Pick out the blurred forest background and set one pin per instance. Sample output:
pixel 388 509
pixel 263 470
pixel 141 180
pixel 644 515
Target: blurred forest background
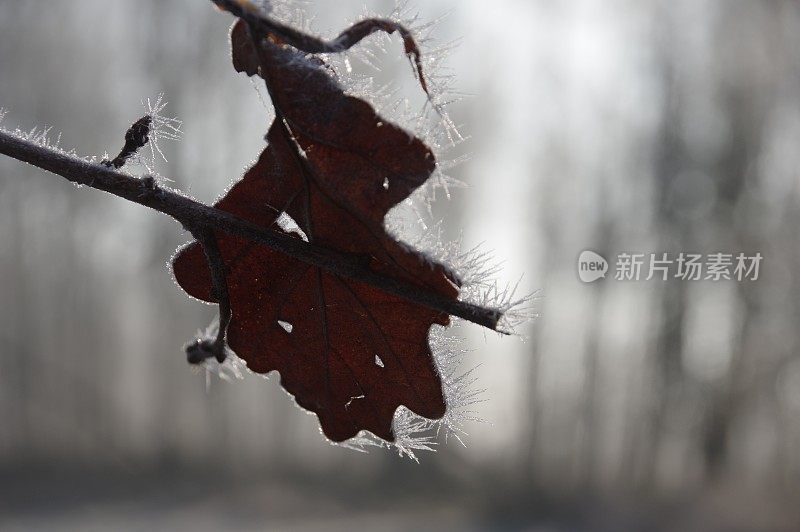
pixel 623 126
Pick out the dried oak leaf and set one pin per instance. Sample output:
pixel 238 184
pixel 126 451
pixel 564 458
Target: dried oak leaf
pixel 345 350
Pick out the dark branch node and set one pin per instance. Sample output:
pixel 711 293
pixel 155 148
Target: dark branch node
pixel 148 186
pixel 202 349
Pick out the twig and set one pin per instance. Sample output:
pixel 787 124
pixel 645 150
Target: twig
pixel 348 38
pixel 193 214
pixel 204 348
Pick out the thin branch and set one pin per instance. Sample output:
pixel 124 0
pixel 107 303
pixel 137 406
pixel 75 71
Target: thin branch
pixel 193 214
pixel 204 348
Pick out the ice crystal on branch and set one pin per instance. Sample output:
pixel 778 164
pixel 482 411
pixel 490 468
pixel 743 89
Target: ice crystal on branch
pixel 161 127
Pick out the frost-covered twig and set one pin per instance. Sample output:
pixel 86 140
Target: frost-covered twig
pixel 148 130
pixel 192 213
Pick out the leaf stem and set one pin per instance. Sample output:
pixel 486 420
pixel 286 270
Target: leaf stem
pixel 219 280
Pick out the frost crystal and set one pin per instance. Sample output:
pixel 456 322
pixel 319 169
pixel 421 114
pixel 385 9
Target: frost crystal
pixel 42 137
pixel 516 310
pixel 161 127
pixel 411 434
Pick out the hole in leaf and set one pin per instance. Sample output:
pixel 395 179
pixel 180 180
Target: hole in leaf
pixel 385 183
pixel 286 326
pixel 288 224
pixel 378 361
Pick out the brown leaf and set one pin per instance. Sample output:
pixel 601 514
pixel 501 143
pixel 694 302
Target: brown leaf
pixel 347 351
